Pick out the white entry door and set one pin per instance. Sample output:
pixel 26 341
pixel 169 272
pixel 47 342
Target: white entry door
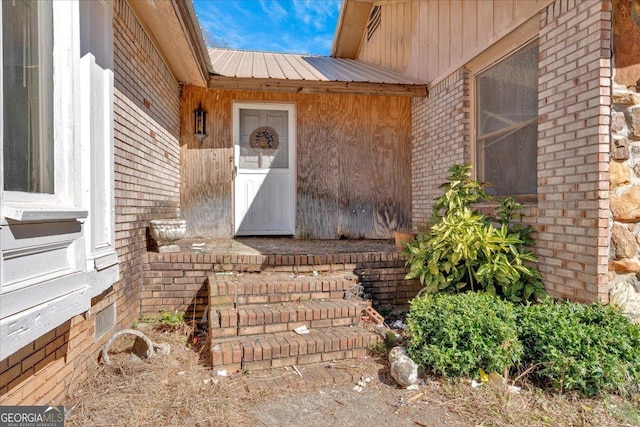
pixel 264 154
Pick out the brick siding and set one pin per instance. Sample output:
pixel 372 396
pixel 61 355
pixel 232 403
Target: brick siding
pixel 147 175
pixel 573 146
pixel 178 281
pixel 572 214
pixel 440 139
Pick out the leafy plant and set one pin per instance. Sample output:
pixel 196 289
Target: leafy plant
pixel 585 348
pixel 456 335
pixel 465 250
pixel 171 319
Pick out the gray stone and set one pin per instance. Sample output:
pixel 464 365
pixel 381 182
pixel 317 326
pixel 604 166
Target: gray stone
pixel 626 98
pixel 619 149
pixel 627 298
pixel 618 122
pixel 403 369
pixel 162 348
pixel 633 117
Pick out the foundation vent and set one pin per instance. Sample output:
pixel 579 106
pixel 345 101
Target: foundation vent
pixel 105 320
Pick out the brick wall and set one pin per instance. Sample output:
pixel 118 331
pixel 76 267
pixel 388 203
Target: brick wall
pixel 573 146
pixel 178 281
pixel 147 186
pixel 572 214
pixel 440 139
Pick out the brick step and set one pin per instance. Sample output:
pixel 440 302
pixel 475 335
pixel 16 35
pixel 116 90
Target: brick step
pixel 279 317
pixel 264 288
pixel 302 263
pixel 265 351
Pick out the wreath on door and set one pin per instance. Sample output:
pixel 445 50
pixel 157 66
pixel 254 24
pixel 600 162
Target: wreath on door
pixel 264 137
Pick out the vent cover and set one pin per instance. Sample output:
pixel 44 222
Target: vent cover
pixel 105 320
pixel 374 21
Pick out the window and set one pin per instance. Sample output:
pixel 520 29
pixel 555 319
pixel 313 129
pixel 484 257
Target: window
pixel 27 58
pixel 507 123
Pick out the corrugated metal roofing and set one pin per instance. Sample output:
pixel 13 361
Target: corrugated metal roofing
pixel 267 65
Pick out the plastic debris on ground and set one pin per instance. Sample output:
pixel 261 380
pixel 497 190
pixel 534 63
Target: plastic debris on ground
pixel 300 330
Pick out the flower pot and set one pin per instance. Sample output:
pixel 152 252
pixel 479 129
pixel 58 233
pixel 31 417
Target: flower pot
pixel 402 237
pixel 167 231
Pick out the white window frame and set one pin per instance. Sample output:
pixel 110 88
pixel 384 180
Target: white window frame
pixel 51 262
pixel 96 130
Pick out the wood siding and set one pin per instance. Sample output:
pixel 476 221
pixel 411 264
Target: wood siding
pixel 353 163
pixel 429 39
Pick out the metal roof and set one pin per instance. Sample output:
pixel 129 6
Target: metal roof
pixel 286 66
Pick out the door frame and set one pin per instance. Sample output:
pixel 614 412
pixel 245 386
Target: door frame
pixel 238 105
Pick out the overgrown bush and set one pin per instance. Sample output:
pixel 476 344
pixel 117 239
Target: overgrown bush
pixel 456 335
pixel 465 250
pixel 586 348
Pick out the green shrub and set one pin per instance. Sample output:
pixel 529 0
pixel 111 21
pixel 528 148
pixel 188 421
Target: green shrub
pixel 465 250
pixel 456 335
pixel 586 348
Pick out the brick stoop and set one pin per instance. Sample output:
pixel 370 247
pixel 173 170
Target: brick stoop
pixel 253 317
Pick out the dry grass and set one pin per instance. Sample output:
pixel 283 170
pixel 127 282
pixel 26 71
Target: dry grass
pixel 179 390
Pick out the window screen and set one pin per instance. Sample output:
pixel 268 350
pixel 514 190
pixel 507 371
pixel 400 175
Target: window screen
pixel 27 56
pixel 507 123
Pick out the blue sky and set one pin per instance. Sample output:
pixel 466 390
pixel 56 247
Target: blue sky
pixel 292 26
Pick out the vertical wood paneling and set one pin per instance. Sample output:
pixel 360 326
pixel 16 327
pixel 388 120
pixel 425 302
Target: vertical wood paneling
pixel 424 56
pixel 414 54
pixel 456 26
pixel 353 167
pixel 469 27
pixel 484 22
pixel 502 15
pixel 433 39
pixel 408 26
pixel 444 46
pixel 449 33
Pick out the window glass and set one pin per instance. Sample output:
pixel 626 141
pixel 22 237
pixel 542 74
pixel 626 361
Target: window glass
pixel 507 124
pixel 27 56
pixel 269 148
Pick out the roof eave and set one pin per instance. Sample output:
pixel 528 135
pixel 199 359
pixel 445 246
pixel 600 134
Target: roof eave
pixel 304 86
pixel 352 22
pixel 174 29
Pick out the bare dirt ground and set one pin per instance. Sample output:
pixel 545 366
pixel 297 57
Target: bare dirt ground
pixel 180 390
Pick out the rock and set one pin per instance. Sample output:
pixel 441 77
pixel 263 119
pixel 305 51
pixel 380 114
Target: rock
pixel 619 174
pixel 618 122
pixel 624 265
pixel 403 369
pixel 623 295
pixel 633 117
pixel 162 348
pixel 626 207
pixel 624 241
pixel 626 98
pixel 636 169
pixel 396 352
pixel 620 149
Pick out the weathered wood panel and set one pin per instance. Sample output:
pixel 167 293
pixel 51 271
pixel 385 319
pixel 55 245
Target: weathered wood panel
pixel 450 32
pixel 207 167
pixel 353 165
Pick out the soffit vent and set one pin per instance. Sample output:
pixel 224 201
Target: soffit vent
pixel 374 21
pixel 105 320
